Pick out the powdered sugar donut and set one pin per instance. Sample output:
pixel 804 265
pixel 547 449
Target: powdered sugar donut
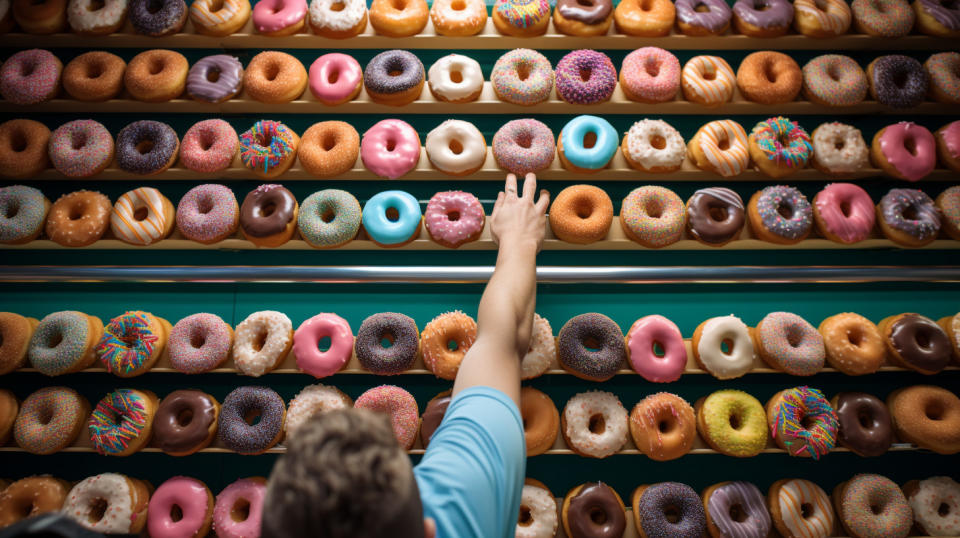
pixel 585 409
pixel 838 149
pixel 650 75
pixel 274 329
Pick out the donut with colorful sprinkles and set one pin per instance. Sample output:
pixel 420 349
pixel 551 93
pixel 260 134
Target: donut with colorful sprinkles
pixel 780 214
pixel 802 422
pixel 132 343
pixel 122 422
pixel 239 435
pixel 268 148
pixel 779 147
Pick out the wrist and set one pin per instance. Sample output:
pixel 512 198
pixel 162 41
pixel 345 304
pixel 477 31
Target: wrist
pixel 518 246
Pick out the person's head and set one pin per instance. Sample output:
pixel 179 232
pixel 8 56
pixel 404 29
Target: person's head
pixel 344 475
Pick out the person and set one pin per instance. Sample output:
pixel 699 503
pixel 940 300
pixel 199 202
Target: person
pixel 344 474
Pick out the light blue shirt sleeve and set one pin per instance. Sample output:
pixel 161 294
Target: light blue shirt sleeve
pixel 472 475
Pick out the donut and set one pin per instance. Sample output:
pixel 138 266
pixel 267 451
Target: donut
pixel 400 18
pixel 872 505
pixel 433 416
pixel 838 149
pixel 23 211
pixel 948 145
pixel 142 217
pixel 780 214
pixel 712 336
pixel 853 344
pixel 185 422
pixel 348 19
pixel 261 342
pixel 585 77
pixel 397 329
pixel 63 342
pixel 897 81
pixel 399 406
pixel 720 147
pixel 948 202
pixel 329 218
pixel 589 144
pixel 146 147
pixel 456 147
pixel 916 342
pixel 591 346
pixel 542 351
pixel 122 422
pixel 936 505
pixel 521 18
pixel 89 18
pixel 926 416
pixel 762 18
pixel 23 148
pixel 237 434
pixel 593 509
pixel 721 501
pixel 707 80
pixel 936 18
pixel 238 509
pixel 644 19
pixel 769 77
pixel 788 343
pixel 42 17
pixel 94 76
pixel 278 18
pixel 306 345
pixel 644 337
pixel 335 78
pixel 390 149
pixel 15 334
pixel 715 216
pixel 581 214
pixel 109 503
pixel 951 326
pixel 6 21
pixel 199 343
pixel 454 218
pixel 800 509
pixel 329 149
pixel 219 19
pixel 844 213
pixel 882 18
pixel 274 77
pixel 157 18
pixel 668 509
pixel 216 78
pixel 663 426
pixel 908 217
pixel 524 146
pixel 394 77
pixel 445 341
pixel 181 506
pixel 943 70
pixel 830 18
pixel 652 216
pixel 541 421
pixel 904 150
pixel 50 420
pixel 80 148
pixel 733 423
pixel 650 75
pixel 594 424
pixel 29 77
pixel 834 79
pixel 268 215
pixel 313 400
pixel 538 511
pixel 379 226
pixel 455 78
pixel 458 18
pixel 865 426
pixel 31 496
pixel 522 77
pixel 208 214
pixel 132 343
pixel 587 19
pixel 802 422
pixel 156 76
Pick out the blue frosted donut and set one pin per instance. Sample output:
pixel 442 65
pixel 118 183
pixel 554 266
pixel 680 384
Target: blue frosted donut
pixel 658 500
pixel 329 218
pixel 157 17
pixel 237 434
pixel 400 330
pixel 22 212
pixel 897 81
pixel 392 232
pixel 393 71
pixel 159 157
pixel 573 137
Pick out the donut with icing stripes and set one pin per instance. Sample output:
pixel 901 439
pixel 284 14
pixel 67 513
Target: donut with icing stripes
pixel 720 147
pixel 142 216
pixel 713 91
pixel 801 509
pixel 230 17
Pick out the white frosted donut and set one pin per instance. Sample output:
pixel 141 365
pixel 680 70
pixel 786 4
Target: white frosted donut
pixel 456 147
pixel 543 349
pixel 710 351
pixel 272 328
pixel 577 415
pixel 839 148
pixel 642 151
pixel 323 16
pixel 805 509
pixel 467 82
pixel 91 15
pixel 313 400
pixel 931 494
pixel 155 224
pixel 542 508
pixel 86 498
pixel 708 80
pixel 735 157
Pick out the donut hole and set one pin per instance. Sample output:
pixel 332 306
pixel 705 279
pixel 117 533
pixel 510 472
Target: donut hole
pixel 333 76
pixel 399 5
pixel 658 350
pixel 876 509
pixel 455 146
pixel 95 5
pixel 94 70
pixel 453 345
pixel 598 516
pixel 760 5
pixel 718 214
pixel 769 73
pixel 27 69
pixel 726 346
pixel 865 419
pixel 78 140
pixel 808 421
pixel 658 142
pixel 252 417
pixel 653 208
pixel 922 339
pixel 709 74
pixel 387 340
pixel 184 417
pixel 785 211
pixel 737 513
pixel 583 209
pixel 259 340
pixel 328 216
pixel 652 67
pixel 55 340
pixel 806 510
pixel 934 411
pixel 723 144
pixel 523 72
pixel 12 209
pixel 240 510
pixel 899 79
pixel 585 74
pixel 44 416
pixel 204 206
pixel 525 140
pixel 329 142
pixel 98 509
pixel 845 208
pixel 19 141
pixel 456 77
pixel 585 3
pixel 271 71
pixel 943 509
pixel 154 6
pixel 391 144
pixel 458 5
pixel 324 344
pixel 453 216
pixel 176 513
pixel 597 424
pixel 735 421
pixel 268 209
pixel 833 73
pixel 156 66
pixel 909 213
pixel 392 214
pixel 198 340
pixel 671 513
pixel 140 214
pixel 794 337
pixel 664 426
pixel 213 75
pixel 855 336
pixel 215 5
pixel 338 6
pixel 525 519
pixel 839 144
pixel 592 344
pixel 910 144
pixel 144 147
pixel 589 140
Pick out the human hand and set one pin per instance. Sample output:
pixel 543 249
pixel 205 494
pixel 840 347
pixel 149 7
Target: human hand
pixel 517 220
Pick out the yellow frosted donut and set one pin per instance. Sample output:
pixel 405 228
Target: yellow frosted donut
pixel 732 422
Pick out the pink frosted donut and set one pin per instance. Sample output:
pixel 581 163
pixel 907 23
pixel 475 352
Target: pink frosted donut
pixel 207 214
pixel 453 218
pixel 650 75
pixel 199 343
pixel 209 146
pixel 246 492
pixel 399 405
pixel 279 16
pixel 656 330
pixel 390 149
pixel 844 211
pixel 30 77
pixel 80 148
pixel 585 77
pixel 788 343
pixel 522 146
pixel 335 78
pixel 910 165
pixel 193 500
pixel 307 339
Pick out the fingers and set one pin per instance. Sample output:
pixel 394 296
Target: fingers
pixel 529 186
pixel 543 203
pixel 511 185
pixel 498 203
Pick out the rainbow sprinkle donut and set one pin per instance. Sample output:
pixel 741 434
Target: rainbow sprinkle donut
pixel 638 220
pixel 522 146
pixel 532 89
pixel 522 14
pixel 81 148
pixel 49 418
pixel 122 421
pixel 22 213
pixel 779 146
pixel 788 412
pixel 266 159
pixel 61 342
pixel 596 88
pixel 788 343
pixel 767 210
pixel 834 80
pixel 129 343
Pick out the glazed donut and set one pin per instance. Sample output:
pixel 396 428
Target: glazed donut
pixel 524 146
pixel 593 500
pixel 142 217
pixel 780 214
pixel 390 149
pixel 208 214
pixel 404 337
pixel 313 400
pixel 838 149
pixel 456 147
pixel 744 499
pixel 864 423
pixel 23 148
pixel 788 343
pixel 581 214
pixel 779 147
pixel 935 504
pixel 769 77
pixel 91 18
pixel 455 78
pixel 715 216
pixel 720 147
pixel 132 343
pixel 236 433
pixel 458 17
pixel 399 406
pixel 800 509
pixel 522 77
pixel 943 70
pixel 644 18
pixel 703 17
pixel 916 342
pixel 937 19
pixel 199 343
pixel 185 422
pixel 94 76
pixel 23 211
pixel 383 231
pixel 668 509
pixel 521 18
pixel 31 496
pixel 844 213
pixel 329 148
pixel 853 344
pixel 109 503
pixel 80 148
pixel 445 341
pixel 454 218
pixel 538 511
pixel 830 18
pixel 653 146
pixel 157 18
pixel 329 218
pixel 274 77
pixel 802 422
pixel 948 202
pixel 882 18
pixel 897 81
pixel 219 19
pixel 642 340
pixel 594 424
pixel 541 421
pixel 707 80
pixel 306 345
pixel 871 505
pixel 63 342
pixel 590 144
pixel 156 76
pixel 908 217
pixel 542 351
pixel 30 76
pixel 583 19
pixel 585 77
pixel 122 422
pixel 238 509
pixel 146 147
pixel 335 78
pixel 42 17
pixel 348 21
pixel 652 216
pixel 394 77
pixel 650 75
pixel 268 148
pixel 400 18
pixel 209 146
pixel 762 18
pixel 834 80
pixel 270 330
pixel 733 423
pixel 217 78
pixel 15 334
pixel 708 343
pixel 50 420
pixel 278 18
pixel 663 426
pixel 926 416
pixel 181 506
pixel 598 332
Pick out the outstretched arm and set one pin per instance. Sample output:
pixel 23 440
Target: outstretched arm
pixel 505 318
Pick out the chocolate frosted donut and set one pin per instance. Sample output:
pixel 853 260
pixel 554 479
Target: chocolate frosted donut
pixel 183 422
pixel 658 500
pixel 146 147
pixel 267 210
pixel 715 215
pixel 865 426
pixel 387 343
pixel 237 434
pixel 582 509
pixel 897 81
pixel 585 11
pixel 433 416
pixel 393 71
pixel 919 343
pixel 590 346
pixel 157 17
